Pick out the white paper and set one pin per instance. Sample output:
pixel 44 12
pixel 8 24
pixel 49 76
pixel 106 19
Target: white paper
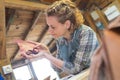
pixel 112 12
pixel 94 15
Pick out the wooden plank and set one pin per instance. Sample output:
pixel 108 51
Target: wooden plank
pixel 27 5
pixel 53 47
pixel 37 15
pixel 10 19
pixel 49 1
pixel 29 30
pixel 2 28
pixel 3 62
pixel 43 34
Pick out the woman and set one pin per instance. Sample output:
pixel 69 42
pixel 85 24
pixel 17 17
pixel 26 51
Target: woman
pixel 75 42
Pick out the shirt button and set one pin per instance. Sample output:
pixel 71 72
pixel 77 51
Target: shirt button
pixel 72 50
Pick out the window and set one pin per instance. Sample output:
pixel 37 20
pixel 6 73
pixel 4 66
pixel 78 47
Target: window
pixel 43 69
pixel 22 73
pixel 39 68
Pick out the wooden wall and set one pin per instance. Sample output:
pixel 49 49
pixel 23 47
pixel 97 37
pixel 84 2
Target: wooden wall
pixel 3 56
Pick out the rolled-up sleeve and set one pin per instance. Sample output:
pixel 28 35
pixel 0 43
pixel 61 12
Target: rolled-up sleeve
pixel 87 44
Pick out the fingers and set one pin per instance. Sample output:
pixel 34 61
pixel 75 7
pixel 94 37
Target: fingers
pixel 30 49
pixel 32 56
pixel 41 47
pixel 24 55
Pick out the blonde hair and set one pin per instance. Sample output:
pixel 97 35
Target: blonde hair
pixel 66 10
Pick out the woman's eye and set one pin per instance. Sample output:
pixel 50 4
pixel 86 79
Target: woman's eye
pixel 53 27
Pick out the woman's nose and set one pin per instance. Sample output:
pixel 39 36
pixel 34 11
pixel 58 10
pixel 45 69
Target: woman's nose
pixel 50 30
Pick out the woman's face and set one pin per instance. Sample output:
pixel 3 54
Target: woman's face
pixel 56 29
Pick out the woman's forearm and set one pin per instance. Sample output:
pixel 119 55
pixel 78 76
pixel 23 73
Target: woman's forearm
pixel 56 62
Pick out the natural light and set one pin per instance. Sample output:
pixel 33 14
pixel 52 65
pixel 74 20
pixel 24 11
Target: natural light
pixel 22 73
pixel 42 69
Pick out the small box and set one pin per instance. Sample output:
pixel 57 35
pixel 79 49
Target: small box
pixel 7 69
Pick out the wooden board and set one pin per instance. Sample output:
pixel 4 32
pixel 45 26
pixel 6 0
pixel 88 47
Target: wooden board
pixel 2 30
pixel 27 5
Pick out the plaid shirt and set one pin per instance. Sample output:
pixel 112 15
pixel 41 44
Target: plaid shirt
pixel 77 53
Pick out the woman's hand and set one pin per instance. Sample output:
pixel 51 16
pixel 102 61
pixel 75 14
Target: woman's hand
pixel 32 56
pixel 38 51
pixel 30 49
pixel 41 47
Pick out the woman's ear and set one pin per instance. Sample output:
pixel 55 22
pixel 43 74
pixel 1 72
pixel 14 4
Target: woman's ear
pixel 67 24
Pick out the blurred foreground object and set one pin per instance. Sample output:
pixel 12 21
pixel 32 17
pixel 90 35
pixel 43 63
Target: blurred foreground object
pixel 105 63
pixel 1 77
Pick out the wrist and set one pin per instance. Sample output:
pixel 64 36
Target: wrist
pixel 47 55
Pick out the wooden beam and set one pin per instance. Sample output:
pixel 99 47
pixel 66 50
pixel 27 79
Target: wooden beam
pixel 47 1
pixel 53 47
pixel 43 33
pixel 36 17
pixel 3 62
pixel 2 29
pixel 50 42
pixel 27 5
pixel 10 19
